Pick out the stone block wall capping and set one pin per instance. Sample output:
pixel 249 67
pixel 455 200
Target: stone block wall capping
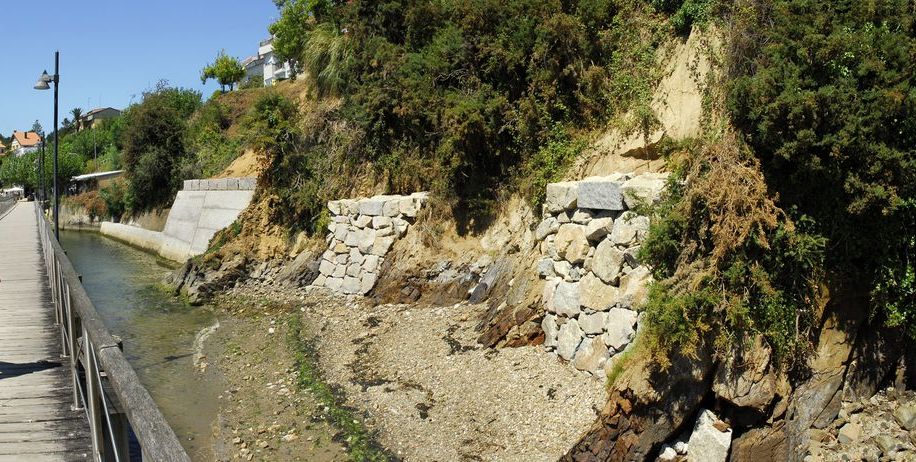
pixel 361 232
pixel 595 286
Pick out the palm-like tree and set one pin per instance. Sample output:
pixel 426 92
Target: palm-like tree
pixel 76 113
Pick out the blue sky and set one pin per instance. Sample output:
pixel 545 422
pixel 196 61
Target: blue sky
pixel 112 50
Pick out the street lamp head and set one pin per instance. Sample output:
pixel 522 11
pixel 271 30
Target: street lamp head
pixel 42 83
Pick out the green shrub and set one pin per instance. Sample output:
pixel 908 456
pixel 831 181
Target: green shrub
pixel 824 94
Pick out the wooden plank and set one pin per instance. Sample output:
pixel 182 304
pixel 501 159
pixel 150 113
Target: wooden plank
pixel 36 419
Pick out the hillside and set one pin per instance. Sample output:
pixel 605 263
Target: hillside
pixel 705 207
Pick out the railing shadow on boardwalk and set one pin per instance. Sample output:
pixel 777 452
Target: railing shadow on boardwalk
pixel 120 412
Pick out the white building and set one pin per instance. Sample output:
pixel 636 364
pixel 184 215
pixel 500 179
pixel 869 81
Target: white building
pixel 273 71
pixel 24 142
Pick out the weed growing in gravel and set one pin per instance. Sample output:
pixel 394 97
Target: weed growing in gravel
pixel 361 444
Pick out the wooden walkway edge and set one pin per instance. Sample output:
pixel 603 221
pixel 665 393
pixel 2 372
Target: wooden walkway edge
pixel 37 422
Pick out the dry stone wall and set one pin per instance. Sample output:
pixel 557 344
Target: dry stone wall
pixel 360 235
pixel 595 285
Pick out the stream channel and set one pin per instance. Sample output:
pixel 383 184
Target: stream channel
pixel 157 329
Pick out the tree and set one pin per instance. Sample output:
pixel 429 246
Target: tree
pixel 76 113
pixel 37 128
pixel 226 70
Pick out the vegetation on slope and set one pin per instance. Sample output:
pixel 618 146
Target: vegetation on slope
pixel 817 187
pixel 464 98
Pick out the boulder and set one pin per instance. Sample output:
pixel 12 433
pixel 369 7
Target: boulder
pixel 326 268
pixel 547 295
pixel 371 263
pixel 381 222
pixel 545 268
pixel 592 323
pixel 849 433
pixel 607 262
pixel 566 299
pixel 560 196
pixel 400 226
pixel 551 330
pixel 365 240
pixel 888 444
pixel 367 282
pixel 334 207
pixel 382 245
pixel 596 295
pixel 634 288
pixel 350 285
pixel 562 268
pixel 340 231
pixel 744 379
pixel 619 328
pixel 333 283
pixel 600 194
pixel 643 189
pixel 629 229
pixel 905 415
pixel 549 247
pixel 545 228
pixel 707 442
pixel 667 454
pixel 572 245
pixel 361 221
pixel 391 207
pixel 408 206
pixel 591 355
pixel 372 206
pixel 598 228
pixel 581 216
pixel 568 339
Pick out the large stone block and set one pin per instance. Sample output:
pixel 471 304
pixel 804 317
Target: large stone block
pixel 634 288
pixel 545 228
pixel 551 330
pixel 367 282
pixel 326 268
pixel 591 355
pixel 372 206
pixel 572 245
pixel 333 283
pixel 598 228
pixel 593 323
pixel 351 285
pixel 371 263
pixel 707 442
pixel 361 221
pixel 600 194
pixel 547 295
pixel 595 294
pixel 248 183
pixel 619 328
pixel 566 299
pixel 568 339
pixel 643 189
pixel 607 262
pixel 381 246
pixel 366 240
pixel 629 229
pixel 561 196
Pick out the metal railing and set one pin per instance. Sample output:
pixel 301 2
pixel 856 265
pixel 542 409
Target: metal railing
pixel 104 385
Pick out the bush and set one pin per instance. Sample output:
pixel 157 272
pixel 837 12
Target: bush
pixel 824 93
pixel 91 202
pixel 729 263
pixel 115 200
pixel 154 145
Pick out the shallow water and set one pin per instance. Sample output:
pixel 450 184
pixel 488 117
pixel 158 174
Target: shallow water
pixel 157 329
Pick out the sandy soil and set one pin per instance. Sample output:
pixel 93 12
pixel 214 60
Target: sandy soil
pixel 425 387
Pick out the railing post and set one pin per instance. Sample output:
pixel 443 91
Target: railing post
pixel 74 327
pixel 65 351
pixel 92 398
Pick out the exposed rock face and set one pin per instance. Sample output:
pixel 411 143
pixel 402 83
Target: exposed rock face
pixel 360 234
pixel 199 283
pixel 595 279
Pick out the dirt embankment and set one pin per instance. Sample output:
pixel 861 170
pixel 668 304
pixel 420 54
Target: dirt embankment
pixel 414 373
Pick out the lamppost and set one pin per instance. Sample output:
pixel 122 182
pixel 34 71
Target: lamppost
pixel 42 84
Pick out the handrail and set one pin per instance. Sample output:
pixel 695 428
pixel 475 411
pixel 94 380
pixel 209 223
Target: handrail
pixel 95 358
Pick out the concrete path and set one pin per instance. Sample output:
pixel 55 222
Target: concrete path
pixel 36 420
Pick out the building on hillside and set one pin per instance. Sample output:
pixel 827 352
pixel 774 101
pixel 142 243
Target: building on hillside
pixel 2 149
pixel 93 181
pixel 273 70
pixel 24 143
pixel 254 68
pixel 94 117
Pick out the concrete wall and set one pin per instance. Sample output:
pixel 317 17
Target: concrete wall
pixel 201 209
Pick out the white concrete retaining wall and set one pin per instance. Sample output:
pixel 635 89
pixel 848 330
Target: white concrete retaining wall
pixel 595 284
pixel 137 237
pixel 201 208
pixel 361 233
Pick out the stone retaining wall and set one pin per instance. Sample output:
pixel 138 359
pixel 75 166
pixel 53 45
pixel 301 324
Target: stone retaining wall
pixel 200 209
pixel 361 233
pixel 595 284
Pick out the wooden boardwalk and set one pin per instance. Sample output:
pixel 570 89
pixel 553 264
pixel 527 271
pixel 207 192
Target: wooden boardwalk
pixel 36 419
